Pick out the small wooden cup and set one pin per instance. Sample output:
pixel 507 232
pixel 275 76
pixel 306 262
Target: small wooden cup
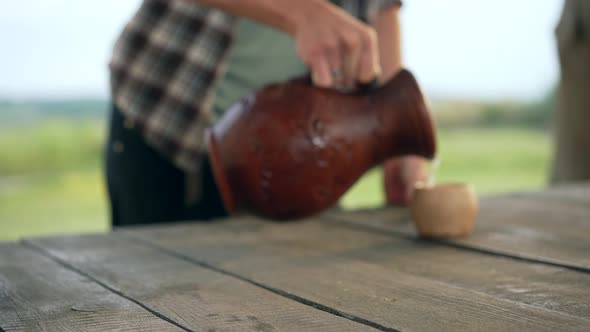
pixel 444 210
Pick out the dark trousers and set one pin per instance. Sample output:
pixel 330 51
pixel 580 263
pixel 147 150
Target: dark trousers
pixel 146 188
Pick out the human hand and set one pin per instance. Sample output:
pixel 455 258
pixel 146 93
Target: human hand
pixel 400 176
pixel 340 50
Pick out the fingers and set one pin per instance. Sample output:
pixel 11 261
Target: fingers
pixel 327 64
pixel 340 51
pixel 321 75
pixel 350 67
pixel 335 58
pixel 368 64
pixel 357 61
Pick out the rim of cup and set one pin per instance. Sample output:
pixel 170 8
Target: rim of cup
pixel 441 186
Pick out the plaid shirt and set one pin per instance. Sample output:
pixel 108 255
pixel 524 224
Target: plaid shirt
pixel 165 66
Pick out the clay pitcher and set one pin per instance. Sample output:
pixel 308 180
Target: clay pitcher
pixel 290 150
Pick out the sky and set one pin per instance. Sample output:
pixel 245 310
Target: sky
pixel 470 49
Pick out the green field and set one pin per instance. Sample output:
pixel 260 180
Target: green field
pixel 494 160
pixel 51 176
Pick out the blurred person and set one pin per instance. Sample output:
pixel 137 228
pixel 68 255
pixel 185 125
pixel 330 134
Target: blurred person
pixel 179 64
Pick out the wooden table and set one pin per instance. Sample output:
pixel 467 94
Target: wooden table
pixel 526 268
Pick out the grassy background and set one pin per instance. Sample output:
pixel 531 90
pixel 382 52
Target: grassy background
pixel 51 171
pixel 494 160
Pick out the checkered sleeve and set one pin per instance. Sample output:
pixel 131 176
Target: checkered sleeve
pixel 382 4
pixel 163 70
pixel 366 10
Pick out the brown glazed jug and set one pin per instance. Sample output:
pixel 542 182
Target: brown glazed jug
pixel 290 150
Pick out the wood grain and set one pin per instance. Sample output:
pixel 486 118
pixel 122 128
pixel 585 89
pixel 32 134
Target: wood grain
pixel 36 294
pixel 578 192
pixel 398 283
pixel 192 296
pixel 550 227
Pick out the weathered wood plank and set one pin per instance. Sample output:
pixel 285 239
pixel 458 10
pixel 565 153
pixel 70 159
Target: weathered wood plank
pixel 36 294
pixel 398 283
pixel 549 227
pixel 572 193
pixel 195 297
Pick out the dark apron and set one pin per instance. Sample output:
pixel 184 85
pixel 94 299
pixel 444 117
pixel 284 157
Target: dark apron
pixel 145 188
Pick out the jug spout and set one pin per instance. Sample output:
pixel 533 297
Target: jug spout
pixel 409 117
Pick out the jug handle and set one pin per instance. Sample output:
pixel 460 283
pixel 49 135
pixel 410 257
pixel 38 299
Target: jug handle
pixel 359 89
